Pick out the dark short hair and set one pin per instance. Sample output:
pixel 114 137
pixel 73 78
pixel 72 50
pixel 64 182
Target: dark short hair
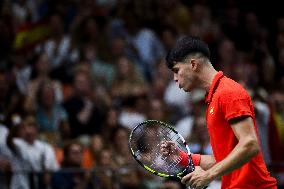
pixel 184 47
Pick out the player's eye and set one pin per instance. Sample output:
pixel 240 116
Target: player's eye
pixel 175 70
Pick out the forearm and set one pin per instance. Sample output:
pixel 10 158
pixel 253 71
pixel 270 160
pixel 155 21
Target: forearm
pixel 240 155
pixel 207 161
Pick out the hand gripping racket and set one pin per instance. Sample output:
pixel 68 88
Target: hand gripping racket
pixel 145 143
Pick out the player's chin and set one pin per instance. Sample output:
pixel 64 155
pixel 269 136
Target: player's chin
pixel 187 89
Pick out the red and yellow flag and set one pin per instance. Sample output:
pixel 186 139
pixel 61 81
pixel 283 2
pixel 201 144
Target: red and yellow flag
pixel 30 34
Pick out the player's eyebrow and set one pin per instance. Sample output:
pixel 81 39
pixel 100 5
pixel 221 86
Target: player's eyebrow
pixel 175 69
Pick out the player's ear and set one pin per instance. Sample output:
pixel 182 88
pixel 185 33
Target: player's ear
pixel 194 64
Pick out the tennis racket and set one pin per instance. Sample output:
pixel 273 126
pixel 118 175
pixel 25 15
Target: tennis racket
pixel 145 143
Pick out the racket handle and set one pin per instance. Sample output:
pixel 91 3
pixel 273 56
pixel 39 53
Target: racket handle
pixel 193 188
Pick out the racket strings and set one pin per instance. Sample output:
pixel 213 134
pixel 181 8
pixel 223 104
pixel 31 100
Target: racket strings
pixel 146 144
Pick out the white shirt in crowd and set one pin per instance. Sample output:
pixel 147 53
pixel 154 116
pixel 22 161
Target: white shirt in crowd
pixel 36 157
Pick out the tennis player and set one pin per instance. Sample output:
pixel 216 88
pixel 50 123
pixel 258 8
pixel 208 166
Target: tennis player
pixel 230 119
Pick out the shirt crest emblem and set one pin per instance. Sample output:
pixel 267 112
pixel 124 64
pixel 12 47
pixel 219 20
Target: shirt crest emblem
pixel 211 111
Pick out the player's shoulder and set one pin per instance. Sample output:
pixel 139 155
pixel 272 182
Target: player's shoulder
pixel 228 88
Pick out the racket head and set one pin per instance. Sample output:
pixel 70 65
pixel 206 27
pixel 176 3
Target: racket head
pixel 145 143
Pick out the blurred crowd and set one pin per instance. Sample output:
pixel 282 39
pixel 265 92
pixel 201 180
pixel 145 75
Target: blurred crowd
pixel 77 75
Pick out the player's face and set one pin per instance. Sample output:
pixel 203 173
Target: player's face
pixel 184 76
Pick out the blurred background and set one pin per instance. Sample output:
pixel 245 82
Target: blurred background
pixel 77 75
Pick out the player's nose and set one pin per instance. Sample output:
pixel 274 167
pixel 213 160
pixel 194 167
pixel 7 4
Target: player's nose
pixel 175 78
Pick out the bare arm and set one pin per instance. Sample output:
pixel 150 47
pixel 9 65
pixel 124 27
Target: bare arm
pixel 207 161
pixel 246 148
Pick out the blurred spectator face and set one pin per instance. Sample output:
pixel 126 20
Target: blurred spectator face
pixel 200 128
pixel 277 99
pixel 75 155
pixel 227 50
pixel 29 129
pixel 195 30
pixel 90 52
pixel 5 165
pixel 129 178
pixel 162 70
pixel 43 64
pixel 97 143
pixel 83 66
pixel 121 140
pixel 47 96
pixel 121 136
pixel 105 158
pixel 124 67
pixel 112 118
pixel 82 83
pixel 158 87
pixel 156 110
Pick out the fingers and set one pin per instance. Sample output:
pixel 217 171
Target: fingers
pixel 168 147
pixel 197 179
pixel 165 149
pixel 186 179
pixel 167 143
pixel 189 181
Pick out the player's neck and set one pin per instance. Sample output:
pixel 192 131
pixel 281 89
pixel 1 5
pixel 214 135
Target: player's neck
pixel 208 74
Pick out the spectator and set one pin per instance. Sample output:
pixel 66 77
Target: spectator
pixel 51 116
pixel 58 47
pixel 146 43
pixel 161 79
pixel 90 154
pixel 103 72
pixel 30 158
pixel 85 117
pixel 127 81
pixel 21 71
pixel 120 146
pixel 41 74
pixel 71 175
pixel 106 168
pixel 25 10
pixel 263 113
pixel 111 123
pixel 156 110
